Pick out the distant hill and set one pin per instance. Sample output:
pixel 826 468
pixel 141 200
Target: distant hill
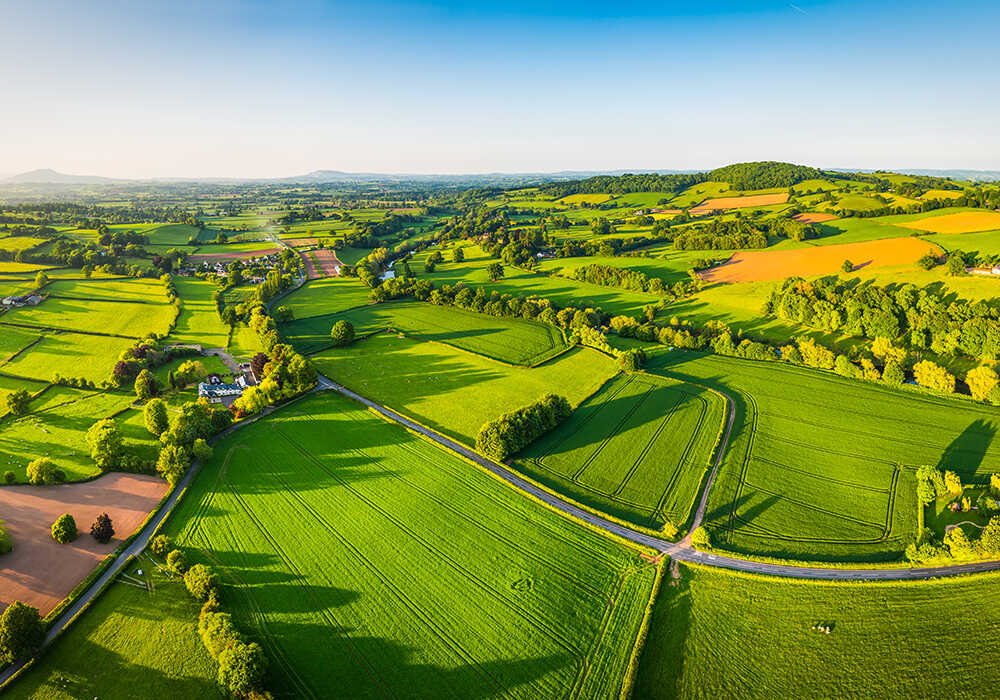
pixel 47 176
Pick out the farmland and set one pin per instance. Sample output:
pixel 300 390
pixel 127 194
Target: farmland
pixel 757 200
pixel 325 296
pixel 961 222
pixel 638 449
pixel 416 540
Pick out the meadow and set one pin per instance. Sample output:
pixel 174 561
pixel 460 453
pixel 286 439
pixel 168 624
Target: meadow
pixel 453 391
pixel 515 341
pixel 367 559
pixel 638 449
pixel 721 634
pixel 69 354
pixel 326 296
pixel 198 322
pixel 87 315
pixel 822 468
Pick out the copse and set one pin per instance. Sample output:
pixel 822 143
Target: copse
pixel 513 431
pixel 342 333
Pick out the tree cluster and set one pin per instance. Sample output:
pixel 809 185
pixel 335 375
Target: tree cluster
pixel 513 431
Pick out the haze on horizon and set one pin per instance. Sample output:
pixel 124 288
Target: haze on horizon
pixel 255 89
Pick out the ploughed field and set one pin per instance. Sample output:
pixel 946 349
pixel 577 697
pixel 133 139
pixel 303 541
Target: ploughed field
pixel 754 200
pixel 823 468
pixel 959 222
pixel 638 449
pixel 366 558
pixel 514 341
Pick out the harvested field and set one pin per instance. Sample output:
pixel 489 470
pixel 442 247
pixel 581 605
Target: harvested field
pixel 41 572
pixel 300 242
pixel 813 217
pixel 762 265
pixel 962 222
pixel 755 200
pixel 320 263
pixel 235 255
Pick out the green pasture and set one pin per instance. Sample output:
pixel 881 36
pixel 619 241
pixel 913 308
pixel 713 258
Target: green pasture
pixel 16 268
pixel 174 235
pixel 18 243
pixel 326 296
pixel 453 391
pixel 9 385
pixel 718 634
pixel 14 340
pixel 139 290
pixel 370 561
pixel 119 318
pixel 515 341
pixel 260 248
pixel 198 322
pixel 982 242
pixel 129 644
pixel 668 264
pixel 69 354
pixel 822 468
pixel 244 342
pixel 638 449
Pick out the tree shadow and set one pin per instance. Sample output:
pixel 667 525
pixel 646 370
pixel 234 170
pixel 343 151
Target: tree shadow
pixel 966 452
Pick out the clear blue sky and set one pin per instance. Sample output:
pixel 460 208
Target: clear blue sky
pixel 143 89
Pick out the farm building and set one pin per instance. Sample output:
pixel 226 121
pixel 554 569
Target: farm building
pixel 218 392
pixel 26 300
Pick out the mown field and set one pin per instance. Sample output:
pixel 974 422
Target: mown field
pixel 453 391
pixel 129 644
pixel 198 322
pixel 515 341
pixel 638 449
pixel 327 296
pixel 719 634
pixel 822 468
pixel 367 559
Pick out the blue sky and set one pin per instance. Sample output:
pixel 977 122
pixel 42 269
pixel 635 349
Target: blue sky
pixel 270 89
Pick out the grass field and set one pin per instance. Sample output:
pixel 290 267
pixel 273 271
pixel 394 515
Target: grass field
pixel 128 644
pixel 821 467
pixel 146 291
pixel 327 296
pixel 515 341
pixel 199 321
pixel 130 319
pixel 638 449
pixel 244 342
pixel 178 234
pixel 718 634
pixel 7 268
pixel 69 354
pixel 367 559
pixel 16 243
pixel 453 391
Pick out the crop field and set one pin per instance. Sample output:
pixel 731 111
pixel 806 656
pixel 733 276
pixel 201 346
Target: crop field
pixel 942 194
pixel 637 449
pixel 178 234
pixel 321 262
pixel 814 217
pixel 887 640
pixel 124 289
pixel 16 268
pixel 820 467
pixel 16 243
pixel 70 354
pixel 369 559
pixel 573 199
pixel 327 296
pixel 762 265
pixel 452 391
pixel 515 341
pixel 198 322
pixel 128 319
pixel 757 200
pixel 961 222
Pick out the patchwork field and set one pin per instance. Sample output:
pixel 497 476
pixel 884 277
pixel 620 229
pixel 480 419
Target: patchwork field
pixel 961 222
pixel 321 262
pixel 40 571
pixel 886 640
pixel 515 341
pixel 327 296
pixel 637 449
pixel 757 200
pixel 16 243
pixel 367 559
pixel 821 467
pixel 761 265
pixel 452 391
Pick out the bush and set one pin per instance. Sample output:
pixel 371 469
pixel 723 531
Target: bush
pixel 631 360
pixel 200 581
pixel 217 632
pixel 700 539
pixel 242 668
pixel 9 477
pixel 21 632
pixel 64 529
pixel 41 471
pixel 342 333
pixel 160 545
pixel 512 432
pixel 6 541
pixel 102 530
pixel 893 374
pixel 177 562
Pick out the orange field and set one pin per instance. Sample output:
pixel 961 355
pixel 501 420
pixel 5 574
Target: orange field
pixel 756 200
pixel 813 217
pixel 962 222
pixel 762 265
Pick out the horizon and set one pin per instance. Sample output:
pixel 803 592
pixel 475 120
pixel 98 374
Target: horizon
pixel 249 91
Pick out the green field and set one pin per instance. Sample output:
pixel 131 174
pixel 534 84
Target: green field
pixel 820 467
pixel 129 644
pixel 130 319
pixel 717 634
pixel 453 391
pixel 147 291
pixel 367 559
pixel 199 322
pixel 69 354
pixel 511 340
pixel 326 296
pixel 638 449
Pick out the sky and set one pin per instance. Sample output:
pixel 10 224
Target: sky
pixel 258 89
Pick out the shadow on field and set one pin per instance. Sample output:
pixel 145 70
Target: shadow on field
pixel 965 453
pixel 661 666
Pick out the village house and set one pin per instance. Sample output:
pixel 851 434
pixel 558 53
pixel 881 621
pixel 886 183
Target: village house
pixel 216 391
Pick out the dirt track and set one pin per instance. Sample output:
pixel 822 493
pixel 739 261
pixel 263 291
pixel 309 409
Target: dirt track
pixel 41 572
pixel 762 265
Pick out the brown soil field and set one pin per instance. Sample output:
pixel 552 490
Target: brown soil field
pixel 962 222
pixel 813 217
pixel 763 265
pixel 756 200
pixel 236 255
pixel 300 242
pixel 326 264
pixel 41 572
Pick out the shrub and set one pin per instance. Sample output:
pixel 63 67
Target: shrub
pixel 9 477
pixel 64 529
pixel 21 631
pixel 200 581
pixel 700 539
pixel 160 545
pixel 893 374
pixel 217 632
pixel 342 333
pixel 41 471
pixel 242 667
pixel 6 541
pixel 515 430
pixel 177 562
pixel 102 529
pixel 631 360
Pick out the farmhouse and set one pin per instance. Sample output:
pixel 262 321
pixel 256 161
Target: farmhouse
pixel 217 392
